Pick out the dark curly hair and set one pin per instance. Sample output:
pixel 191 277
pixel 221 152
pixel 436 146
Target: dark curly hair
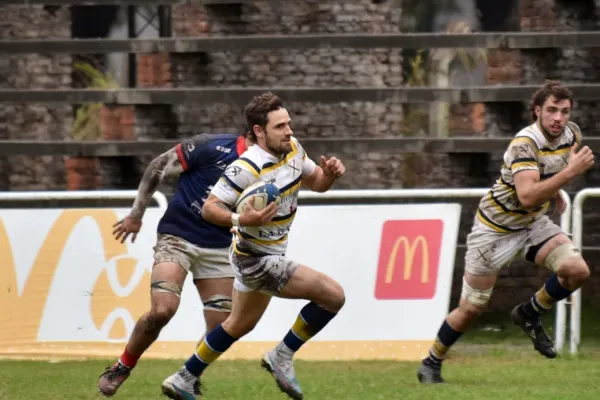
pixel 549 89
pixel 257 111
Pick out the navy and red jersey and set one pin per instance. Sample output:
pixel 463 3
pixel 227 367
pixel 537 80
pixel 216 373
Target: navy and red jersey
pixel 204 158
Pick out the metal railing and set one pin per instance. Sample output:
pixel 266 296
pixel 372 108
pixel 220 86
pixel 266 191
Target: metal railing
pixel 578 201
pixel 245 43
pixel 160 198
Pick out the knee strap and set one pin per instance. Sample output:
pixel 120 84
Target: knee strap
pixel 218 302
pixel 560 254
pixel 477 297
pixel 165 287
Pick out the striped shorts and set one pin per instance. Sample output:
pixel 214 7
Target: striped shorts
pixel 489 251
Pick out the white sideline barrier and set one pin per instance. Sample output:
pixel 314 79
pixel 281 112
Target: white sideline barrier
pixel 368 195
pixel 565 222
pixel 77 292
pixel 580 197
pixel 160 198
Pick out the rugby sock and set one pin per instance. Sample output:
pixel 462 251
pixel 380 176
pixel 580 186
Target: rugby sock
pixel 543 300
pixel 446 337
pixel 311 319
pixel 128 360
pixel 212 346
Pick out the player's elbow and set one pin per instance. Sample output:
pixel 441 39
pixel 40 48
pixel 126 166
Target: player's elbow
pixel 527 199
pixel 318 187
pixel 319 184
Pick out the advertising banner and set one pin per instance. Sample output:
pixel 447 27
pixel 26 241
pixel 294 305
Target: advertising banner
pixel 69 290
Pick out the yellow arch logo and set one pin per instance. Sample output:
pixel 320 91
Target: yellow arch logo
pixel 409 256
pixel 21 316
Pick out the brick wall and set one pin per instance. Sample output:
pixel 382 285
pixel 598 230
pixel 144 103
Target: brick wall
pixel 340 67
pixel 27 121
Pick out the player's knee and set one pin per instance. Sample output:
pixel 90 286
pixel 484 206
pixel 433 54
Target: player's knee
pixel 238 327
pixel 335 297
pixel 158 317
pixel 473 301
pixel 575 271
pixel 162 313
pixel 566 260
pixel 470 311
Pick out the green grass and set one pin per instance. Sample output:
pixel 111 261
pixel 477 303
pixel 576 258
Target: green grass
pixel 485 365
pixel 512 375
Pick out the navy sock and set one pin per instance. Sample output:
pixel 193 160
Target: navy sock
pixel 446 337
pixel 212 346
pixel 543 300
pixel 310 321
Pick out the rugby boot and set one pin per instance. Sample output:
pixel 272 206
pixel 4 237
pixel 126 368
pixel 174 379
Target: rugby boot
pixel 534 329
pixel 112 378
pixel 430 374
pixel 284 374
pixel 182 385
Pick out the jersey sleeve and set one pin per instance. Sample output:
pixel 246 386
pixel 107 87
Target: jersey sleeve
pixel 238 176
pixel 522 155
pixel 308 165
pixel 192 153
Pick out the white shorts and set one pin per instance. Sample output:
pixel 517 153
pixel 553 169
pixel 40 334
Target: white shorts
pixel 261 273
pixel 489 251
pixel 203 263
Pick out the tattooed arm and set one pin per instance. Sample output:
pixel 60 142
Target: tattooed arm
pixel 167 163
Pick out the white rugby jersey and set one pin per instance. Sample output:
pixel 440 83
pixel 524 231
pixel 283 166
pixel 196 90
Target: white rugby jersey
pixel 286 172
pixel 500 209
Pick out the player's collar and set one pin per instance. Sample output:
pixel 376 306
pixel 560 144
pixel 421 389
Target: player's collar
pixel 270 156
pixel 240 145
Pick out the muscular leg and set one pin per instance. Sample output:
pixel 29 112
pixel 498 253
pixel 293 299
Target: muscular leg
pixel 247 310
pixel 164 304
pixel 167 280
pixel 326 299
pixel 559 255
pixel 475 296
pixel 216 296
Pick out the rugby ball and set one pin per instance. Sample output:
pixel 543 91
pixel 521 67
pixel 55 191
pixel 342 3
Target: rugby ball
pixel 263 193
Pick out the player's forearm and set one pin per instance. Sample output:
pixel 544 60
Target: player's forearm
pixel 217 213
pixel 543 191
pixel 322 182
pixel 148 185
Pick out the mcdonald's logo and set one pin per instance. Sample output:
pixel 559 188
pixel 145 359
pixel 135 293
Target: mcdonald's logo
pixel 409 259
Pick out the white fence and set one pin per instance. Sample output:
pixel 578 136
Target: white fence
pixel 577 210
pixel 573 213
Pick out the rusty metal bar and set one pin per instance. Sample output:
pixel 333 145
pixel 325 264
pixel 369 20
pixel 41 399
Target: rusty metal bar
pixel 316 146
pixel 241 95
pixel 513 40
pixel 97 2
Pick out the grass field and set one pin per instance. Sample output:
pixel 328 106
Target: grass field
pixel 488 364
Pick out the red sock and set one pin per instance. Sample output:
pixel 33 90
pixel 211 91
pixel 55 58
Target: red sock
pixel 128 359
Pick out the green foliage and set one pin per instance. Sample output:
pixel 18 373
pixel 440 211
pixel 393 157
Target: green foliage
pixel 86 124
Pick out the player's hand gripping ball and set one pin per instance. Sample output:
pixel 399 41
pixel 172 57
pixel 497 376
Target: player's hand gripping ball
pixel 263 193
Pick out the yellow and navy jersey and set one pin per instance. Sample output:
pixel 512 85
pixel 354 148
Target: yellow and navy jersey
pixel 500 209
pixel 285 172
